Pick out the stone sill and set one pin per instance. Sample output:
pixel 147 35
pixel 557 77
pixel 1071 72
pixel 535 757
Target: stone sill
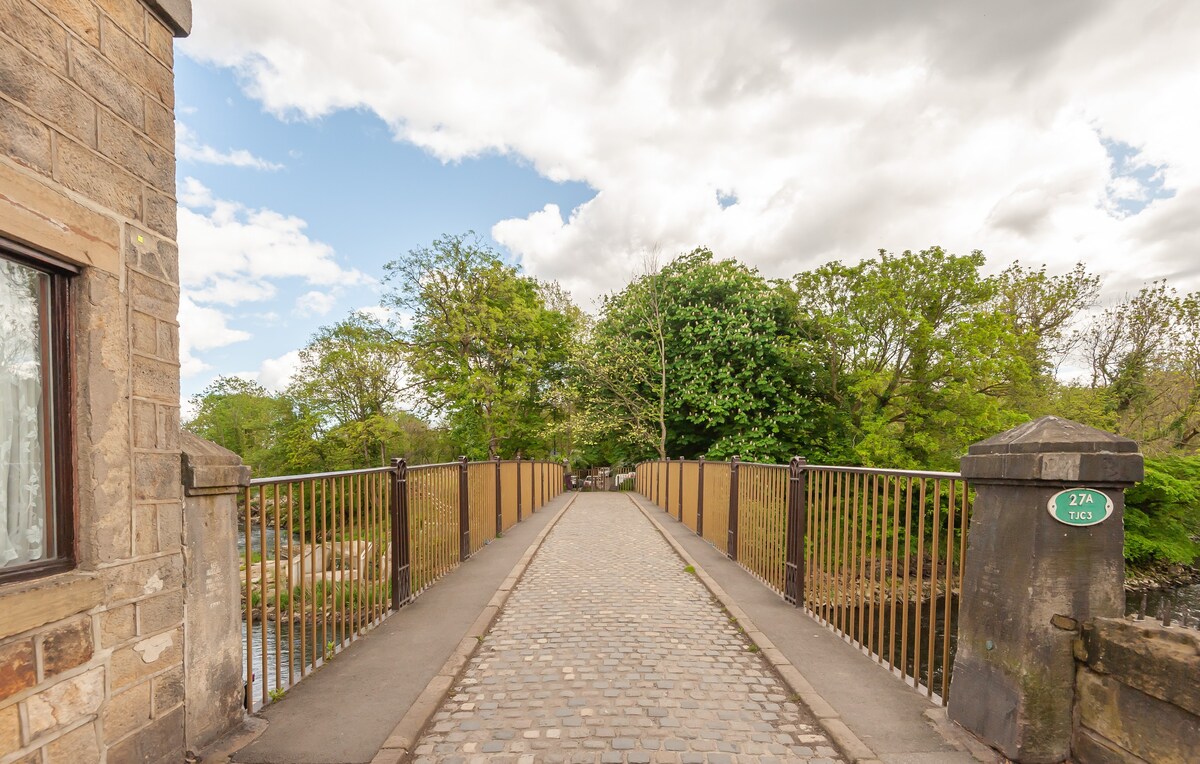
pixel 30 604
pixel 176 14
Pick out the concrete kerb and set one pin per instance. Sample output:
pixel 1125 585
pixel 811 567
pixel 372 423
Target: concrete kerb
pixel 842 736
pixel 408 730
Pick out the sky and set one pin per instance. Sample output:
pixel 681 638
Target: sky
pixel 318 140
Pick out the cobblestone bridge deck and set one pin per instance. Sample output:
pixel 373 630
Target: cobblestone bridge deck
pixel 610 651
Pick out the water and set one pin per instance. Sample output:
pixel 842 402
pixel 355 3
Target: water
pixel 1181 600
pixel 256 541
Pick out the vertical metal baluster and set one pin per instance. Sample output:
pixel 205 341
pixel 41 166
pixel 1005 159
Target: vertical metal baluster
pixel 262 585
pixel 861 589
pixel 872 589
pixel 919 583
pixel 908 501
pixel 946 626
pixel 304 547
pixel 933 581
pixel 248 698
pixel 290 589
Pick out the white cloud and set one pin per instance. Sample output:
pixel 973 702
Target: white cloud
pixel 274 374
pixel 202 328
pixel 838 128
pixel 188 148
pixel 230 253
pixel 316 303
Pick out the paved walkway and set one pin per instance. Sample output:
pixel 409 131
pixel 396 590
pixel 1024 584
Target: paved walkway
pixel 610 651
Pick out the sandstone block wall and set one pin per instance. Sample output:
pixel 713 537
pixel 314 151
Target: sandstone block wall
pixel 1136 696
pixel 91 661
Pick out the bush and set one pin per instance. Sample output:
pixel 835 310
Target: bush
pixel 1162 514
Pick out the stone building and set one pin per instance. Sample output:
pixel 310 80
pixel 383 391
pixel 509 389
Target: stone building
pixel 92 518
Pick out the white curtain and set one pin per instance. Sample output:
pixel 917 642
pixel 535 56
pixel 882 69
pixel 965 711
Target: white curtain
pixel 22 464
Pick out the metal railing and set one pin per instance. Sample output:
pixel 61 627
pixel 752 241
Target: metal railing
pixel 328 556
pixel 874 554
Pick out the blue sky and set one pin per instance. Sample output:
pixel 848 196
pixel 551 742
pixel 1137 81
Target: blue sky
pixel 586 140
pixel 366 195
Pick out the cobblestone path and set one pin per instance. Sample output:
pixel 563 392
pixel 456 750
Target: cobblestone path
pixel 609 651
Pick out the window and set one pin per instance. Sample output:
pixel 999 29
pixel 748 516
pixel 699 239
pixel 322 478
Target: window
pixel 37 518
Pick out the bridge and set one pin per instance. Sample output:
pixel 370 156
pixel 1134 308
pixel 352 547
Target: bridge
pixel 719 612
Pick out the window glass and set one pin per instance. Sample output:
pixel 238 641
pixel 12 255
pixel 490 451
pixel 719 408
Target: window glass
pixel 27 506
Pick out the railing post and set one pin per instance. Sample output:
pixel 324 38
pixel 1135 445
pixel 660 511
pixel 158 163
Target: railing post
pixel 731 550
pixel 700 499
pixel 499 506
pixel 666 503
pixel 797 510
pixel 680 503
pixel 566 473
pixel 1035 571
pixel 401 563
pixel 464 511
pixel 518 488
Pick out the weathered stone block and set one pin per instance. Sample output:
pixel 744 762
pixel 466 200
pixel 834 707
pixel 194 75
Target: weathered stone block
pixel 25 80
pixel 1089 748
pixel 162 741
pixel 17 670
pixel 86 172
pixel 168 428
pixel 155 379
pixel 158 298
pixel 79 746
pixel 136 62
pixel 104 82
pixel 160 40
pixel 1160 661
pixel 168 691
pixel 156 476
pixel 145 529
pixel 144 333
pixel 158 613
pixel 117 625
pixel 161 213
pixel 81 17
pixel 146 656
pixel 126 711
pixel 46 601
pixel 66 646
pixel 65 703
pixel 10 728
pixel 170 526
pixel 22 20
pixel 145 413
pixel 160 123
pixel 32 211
pixel 128 148
pixel 144 578
pixel 130 16
pixel 168 341
pixel 154 256
pixel 1134 721
pixel 24 139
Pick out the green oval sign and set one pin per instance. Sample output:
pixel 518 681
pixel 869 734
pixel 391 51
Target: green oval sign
pixel 1080 506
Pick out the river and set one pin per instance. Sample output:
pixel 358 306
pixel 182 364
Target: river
pixel 1181 600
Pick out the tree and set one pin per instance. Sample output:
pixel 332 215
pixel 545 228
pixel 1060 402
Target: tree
pixel 242 416
pixel 702 358
pixel 482 344
pixel 349 377
pixel 1144 354
pixel 918 360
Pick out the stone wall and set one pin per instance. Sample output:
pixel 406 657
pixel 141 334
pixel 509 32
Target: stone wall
pixel 91 661
pixel 1136 696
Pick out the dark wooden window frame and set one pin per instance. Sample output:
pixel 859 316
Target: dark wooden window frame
pixel 59 342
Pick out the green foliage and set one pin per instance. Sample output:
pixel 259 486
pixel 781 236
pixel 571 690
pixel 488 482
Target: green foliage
pixel 702 358
pixel 1162 514
pixel 918 361
pixel 487 346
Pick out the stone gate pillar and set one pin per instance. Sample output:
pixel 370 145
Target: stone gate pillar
pixel 1044 555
